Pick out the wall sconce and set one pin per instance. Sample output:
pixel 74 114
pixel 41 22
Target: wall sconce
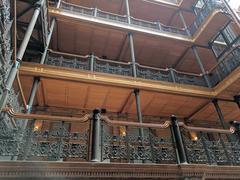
pixel 37 126
pixel 122 131
pixel 194 136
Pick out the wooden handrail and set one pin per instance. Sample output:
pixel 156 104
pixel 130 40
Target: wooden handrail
pixel 165 125
pixel 106 119
pixel 67 54
pixel 212 130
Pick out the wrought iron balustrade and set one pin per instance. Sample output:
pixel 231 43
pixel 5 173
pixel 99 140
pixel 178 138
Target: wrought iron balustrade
pixel 121 68
pixel 211 148
pixel 121 18
pixel 129 146
pixel 209 6
pixel 225 66
pixel 112 67
pixel 45 141
pixel 72 139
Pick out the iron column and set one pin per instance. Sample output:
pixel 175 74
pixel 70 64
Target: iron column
pixel 37 80
pixel 128 12
pixel 178 139
pixel 95 135
pixel 184 23
pixel 198 59
pixel 134 69
pixel 220 114
pixel 20 54
pixel 139 113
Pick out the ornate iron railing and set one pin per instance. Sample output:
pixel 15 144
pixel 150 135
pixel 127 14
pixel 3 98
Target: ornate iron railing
pixel 45 140
pixel 227 64
pixel 121 18
pixel 96 64
pixel 208 7
pixel 55 138
pixel 211 148
pixel 129 146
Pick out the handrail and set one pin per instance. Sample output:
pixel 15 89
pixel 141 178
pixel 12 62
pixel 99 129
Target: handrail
pixel 165 125
pixel 153 68
pixel 67 54
pixel 213 130
pixel 106 119
pixel 223 59
pixel 112 61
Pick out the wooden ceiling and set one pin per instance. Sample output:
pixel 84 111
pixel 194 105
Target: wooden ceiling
pixel 86 96
pixel 113 44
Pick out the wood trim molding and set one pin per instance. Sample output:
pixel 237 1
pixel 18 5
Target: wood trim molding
pixel 47 71
pixel 73 170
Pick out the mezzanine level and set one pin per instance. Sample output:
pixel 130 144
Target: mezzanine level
pixel 62 142
pixel 219 72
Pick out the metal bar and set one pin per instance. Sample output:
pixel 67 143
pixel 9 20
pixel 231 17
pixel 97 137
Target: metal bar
pixel 198 59
pixel 179 140
pixel 96 136
pixel 20 54
pixel 220 114
pixel 21 92
pixel 139 113
pixel 37 80
pixel 184 23
pixel 128 11
pixel 132 55
pixel 92 62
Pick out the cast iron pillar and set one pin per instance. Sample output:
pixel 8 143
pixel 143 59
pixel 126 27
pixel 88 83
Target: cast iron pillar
pixel 178 139
pixel 198 59
pixel 184 23
pixel 237 100
pixel 134 69
pixel 139 113
pixel 220 114
pixel 20 54
pixel 128 12
pixel 95 149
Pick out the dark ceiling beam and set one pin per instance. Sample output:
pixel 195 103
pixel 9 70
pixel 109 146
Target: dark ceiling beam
pixel 24 11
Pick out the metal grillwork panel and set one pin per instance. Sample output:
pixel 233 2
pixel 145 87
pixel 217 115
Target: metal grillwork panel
pixel 210 148
pixel 76 63
pixel 205 11
pixel 122 18
pixel 154 74
pixel 131 147
pixel 5 42
pixel 184 78
pixel 48 142
pixel 101 65
pixel 225 66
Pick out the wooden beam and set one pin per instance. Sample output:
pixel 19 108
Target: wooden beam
pixel 33 69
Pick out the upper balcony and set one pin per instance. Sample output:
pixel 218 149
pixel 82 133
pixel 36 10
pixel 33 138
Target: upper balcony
pixel 161 19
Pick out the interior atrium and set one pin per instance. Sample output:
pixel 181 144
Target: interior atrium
pixel 119 89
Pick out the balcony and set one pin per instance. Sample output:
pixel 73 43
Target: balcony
pixel 206 10
pixel 94 137
pixel 92 63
